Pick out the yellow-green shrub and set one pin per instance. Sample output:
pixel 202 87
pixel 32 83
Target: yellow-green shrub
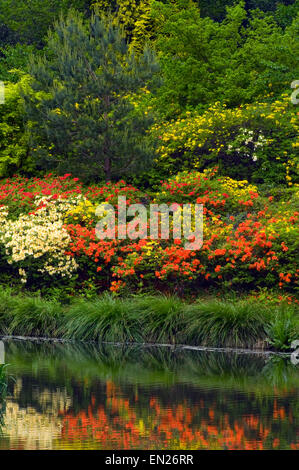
pixel 258 142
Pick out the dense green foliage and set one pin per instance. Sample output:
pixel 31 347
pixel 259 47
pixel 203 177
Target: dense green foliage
pixel 257 142
pixel 28 21
pixel 14 145
pixel 13 59
pixel 236 53
pixel 3 387
pixel 48 237
pixel 204 61
pixel 133 16
pixel 189 100
pixel 216 9
pixel 213 323
pixel 83 120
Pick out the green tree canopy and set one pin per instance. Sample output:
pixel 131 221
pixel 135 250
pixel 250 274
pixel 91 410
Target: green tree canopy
pixel 216 9
pixel 14 58
pixel 239 60
pixel 28 21
pixel 14 145
pixel 82 113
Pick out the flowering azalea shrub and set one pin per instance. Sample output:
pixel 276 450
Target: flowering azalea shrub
pixel 37 242
pixel 110 192
pixel 256 141
pixel 249 240
pixel 84 212
pixel 216 193
pixel 20 194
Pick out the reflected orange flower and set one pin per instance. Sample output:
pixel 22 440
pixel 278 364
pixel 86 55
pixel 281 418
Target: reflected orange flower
pixel 122 424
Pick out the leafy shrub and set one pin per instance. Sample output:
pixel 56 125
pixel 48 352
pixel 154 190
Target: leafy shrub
pixel 238 60
pixel 283 329
pixel 257 142
pixel 14 143
pixel 19 193
pixel 249 241
pixel 36 243
pixel 13 59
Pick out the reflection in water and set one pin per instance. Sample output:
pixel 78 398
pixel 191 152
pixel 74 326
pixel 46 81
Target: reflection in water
pixel 86 397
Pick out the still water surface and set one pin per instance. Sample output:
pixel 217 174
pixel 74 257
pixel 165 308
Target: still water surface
pixel 74 396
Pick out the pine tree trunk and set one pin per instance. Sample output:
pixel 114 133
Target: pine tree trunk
pixel 107 161
pixel 107 169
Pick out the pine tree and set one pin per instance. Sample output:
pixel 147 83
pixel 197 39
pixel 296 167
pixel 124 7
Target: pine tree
pixel 134 16
pixel 82 114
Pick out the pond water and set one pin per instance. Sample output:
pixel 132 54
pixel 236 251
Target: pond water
pixel 75 396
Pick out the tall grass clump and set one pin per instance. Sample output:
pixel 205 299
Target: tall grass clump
pixel 36 317
pixel 152 319
pixel 283 329
pixel 7 305
pixel 28 316
pixel 105 319
pixel 162 317
pixel 2 376
pixel 226 324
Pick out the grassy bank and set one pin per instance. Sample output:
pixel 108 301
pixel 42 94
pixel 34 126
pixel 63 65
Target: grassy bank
pixel 239 323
